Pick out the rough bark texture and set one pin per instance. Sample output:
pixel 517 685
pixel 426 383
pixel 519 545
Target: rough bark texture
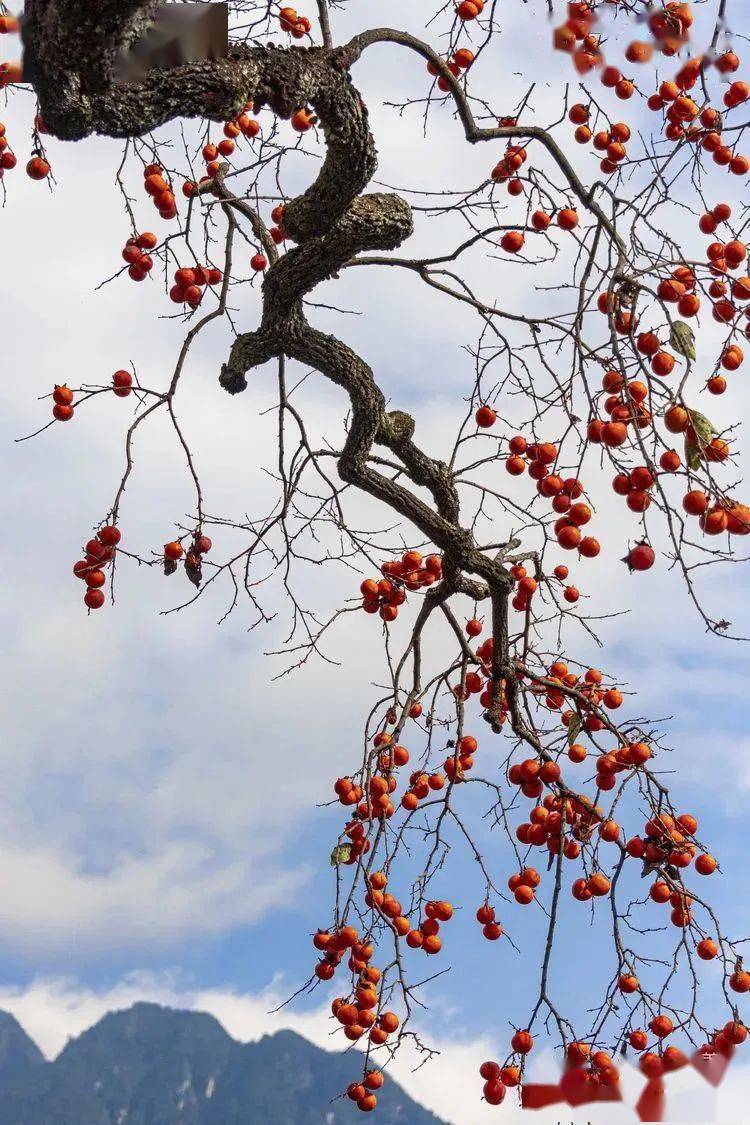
pixel 75 44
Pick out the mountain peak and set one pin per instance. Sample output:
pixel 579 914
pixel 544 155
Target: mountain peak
pixel 154 1065
pixel 145 1018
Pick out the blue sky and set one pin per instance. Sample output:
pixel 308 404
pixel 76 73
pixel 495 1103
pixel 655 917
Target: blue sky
pixel 160 790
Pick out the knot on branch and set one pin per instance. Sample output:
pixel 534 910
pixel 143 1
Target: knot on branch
pixel 396 427
pixel 377 222
pixel 232 380
pixel 249 350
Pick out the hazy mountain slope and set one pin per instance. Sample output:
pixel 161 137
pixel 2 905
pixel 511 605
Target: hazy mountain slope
pixel 158 1066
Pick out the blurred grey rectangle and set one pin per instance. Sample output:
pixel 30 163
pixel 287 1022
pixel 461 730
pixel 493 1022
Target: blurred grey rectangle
pixel 179 34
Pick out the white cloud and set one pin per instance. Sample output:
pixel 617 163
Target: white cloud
pixel 49 902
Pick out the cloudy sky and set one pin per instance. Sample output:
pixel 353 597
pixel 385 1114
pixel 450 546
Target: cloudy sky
pixel 160 828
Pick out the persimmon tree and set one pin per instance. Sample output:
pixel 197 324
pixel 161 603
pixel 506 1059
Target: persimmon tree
pixel 631 263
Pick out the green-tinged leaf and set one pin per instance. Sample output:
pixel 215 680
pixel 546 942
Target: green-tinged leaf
pixel 697 437
pixel 703 428
pixel 574 728
pixel 342 853
pixel 682 339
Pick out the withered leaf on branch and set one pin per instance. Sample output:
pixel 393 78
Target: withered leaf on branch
pixel 574 728
pixel 170 566
pixel 193 567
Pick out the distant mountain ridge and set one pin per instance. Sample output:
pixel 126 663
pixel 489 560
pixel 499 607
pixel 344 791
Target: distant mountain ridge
pixel 152 1065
